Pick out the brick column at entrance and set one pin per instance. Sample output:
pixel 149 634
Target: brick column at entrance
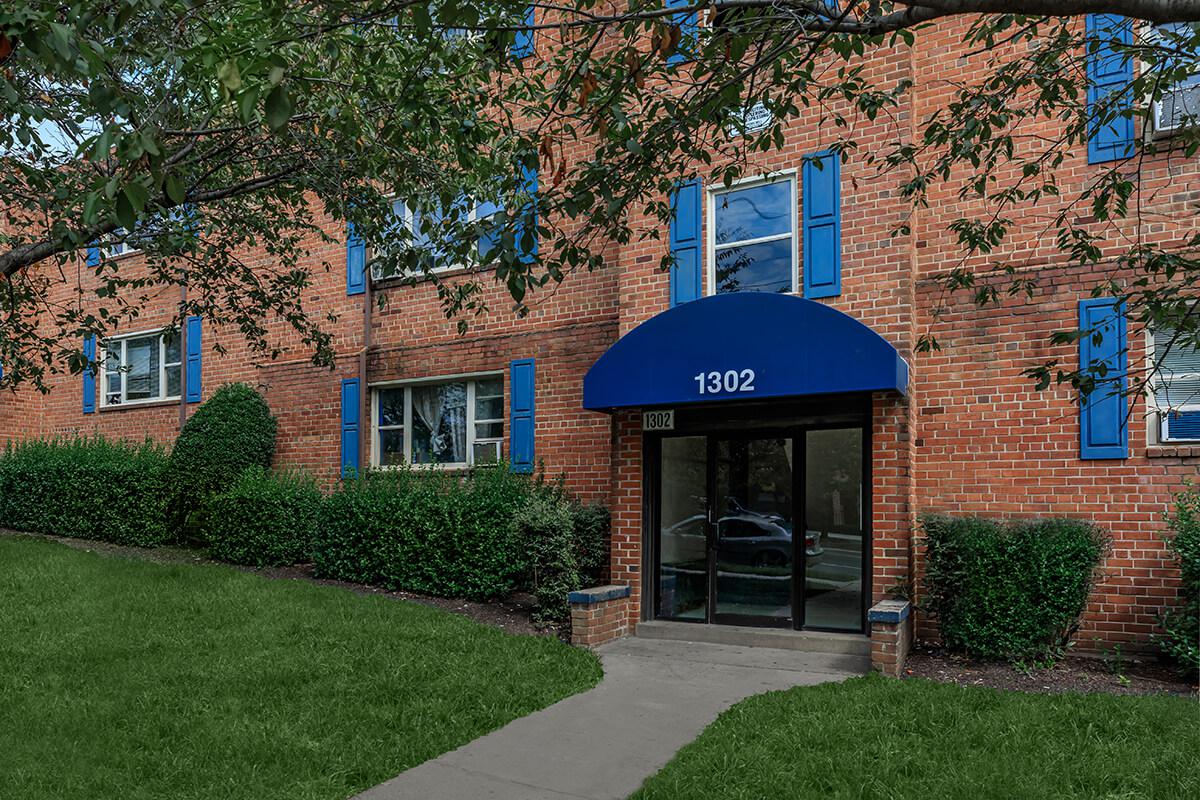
pixel 599 615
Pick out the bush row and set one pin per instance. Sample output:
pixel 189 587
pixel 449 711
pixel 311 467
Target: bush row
pixel 1010 590
pixel 90 488
pixel 1180 639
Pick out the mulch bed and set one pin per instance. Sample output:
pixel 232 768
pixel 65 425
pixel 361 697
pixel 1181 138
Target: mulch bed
pixel 512 614
pixel 1114 675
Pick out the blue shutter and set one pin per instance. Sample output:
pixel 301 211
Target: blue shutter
pixel 93 256
pixel 488 240
pixel 689 28
pixel 527 239
pixel 1109 73
pixel 1103 432
pixel 356 260
pixel 89 377
pixel 822 231
pixel 521 391
pixel 193 375
pixel 685 242
pixel 351 412
pixel 523 43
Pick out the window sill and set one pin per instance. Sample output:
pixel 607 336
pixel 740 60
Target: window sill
pixel 1172 450
pixel 140 404
pixel 397 281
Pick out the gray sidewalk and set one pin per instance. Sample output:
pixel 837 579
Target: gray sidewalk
pixel 655 697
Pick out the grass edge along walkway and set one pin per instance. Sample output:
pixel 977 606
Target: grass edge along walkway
pixel 875 737
pixel 121 678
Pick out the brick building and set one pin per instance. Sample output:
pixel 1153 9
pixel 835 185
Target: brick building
pixel 768 384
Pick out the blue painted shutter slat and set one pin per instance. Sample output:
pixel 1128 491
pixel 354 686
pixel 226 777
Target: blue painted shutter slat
pixel 193 374
pixel 1103 429
pixel 689 28
pixel 527 238
pixel 1109 73
pixel 685 242
pixel 351 411
pixel 523 42
pixel 89 377
pixel 822 229
pixel 356 260
pixel 521 422
pixel 93 256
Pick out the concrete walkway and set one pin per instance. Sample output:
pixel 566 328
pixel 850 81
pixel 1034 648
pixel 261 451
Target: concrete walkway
pixel 655 697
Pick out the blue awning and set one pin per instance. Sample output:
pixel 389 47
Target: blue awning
pixel 742 346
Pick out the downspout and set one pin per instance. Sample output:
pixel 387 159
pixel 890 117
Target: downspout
pixel 183 355
pixel 364 396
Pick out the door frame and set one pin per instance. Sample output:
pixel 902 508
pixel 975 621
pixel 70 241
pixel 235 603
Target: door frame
pixel 755 420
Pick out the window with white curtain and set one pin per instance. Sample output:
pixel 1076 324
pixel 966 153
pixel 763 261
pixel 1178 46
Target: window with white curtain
pixel 1175 388
pixel 456 423
pixel 140 368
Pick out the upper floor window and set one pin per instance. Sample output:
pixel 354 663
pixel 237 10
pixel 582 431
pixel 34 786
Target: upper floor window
pixel 753 230
pixel 456 423
pixel 1179 103
pixel 141 367
pixel 1175 388
pixel 417 223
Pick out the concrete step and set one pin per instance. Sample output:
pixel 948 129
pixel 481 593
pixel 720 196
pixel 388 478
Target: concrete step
pixel 779 639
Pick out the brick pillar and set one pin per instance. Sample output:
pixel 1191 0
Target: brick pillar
pixel 891 636
pixel 599 615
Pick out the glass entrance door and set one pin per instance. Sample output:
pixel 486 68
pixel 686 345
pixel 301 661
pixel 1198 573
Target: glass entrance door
pixel 762 527
pixel 753 550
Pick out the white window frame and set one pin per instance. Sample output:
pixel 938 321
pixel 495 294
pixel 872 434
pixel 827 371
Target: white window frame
pixel 713 196
pixel 163 365
pixel 1156 432
pixel 470 379
pixel 406 220
pixel 1151 35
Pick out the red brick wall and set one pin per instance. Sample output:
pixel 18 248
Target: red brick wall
pixel 972 437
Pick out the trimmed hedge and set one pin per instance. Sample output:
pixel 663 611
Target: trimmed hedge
pixel 1180 639
pixel 88 488
pixel 426 531
pixel 264 519
pixel 230 432
pixel 1009 590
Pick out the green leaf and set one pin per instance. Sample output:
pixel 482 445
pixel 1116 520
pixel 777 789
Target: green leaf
pixel 278 108
pixel 126 215
pixel 174 189
pixel 229 75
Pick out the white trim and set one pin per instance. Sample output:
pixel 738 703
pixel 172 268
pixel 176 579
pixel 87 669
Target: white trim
pixel 163 366
pixel 470 379
pixel 710 223
pixel 1156 417
pixel 406 221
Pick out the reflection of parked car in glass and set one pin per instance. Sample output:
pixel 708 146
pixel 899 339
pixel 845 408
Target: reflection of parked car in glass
pixel 745 537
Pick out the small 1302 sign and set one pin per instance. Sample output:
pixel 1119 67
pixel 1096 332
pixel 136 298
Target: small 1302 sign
pixel 658 420
pixel 727 382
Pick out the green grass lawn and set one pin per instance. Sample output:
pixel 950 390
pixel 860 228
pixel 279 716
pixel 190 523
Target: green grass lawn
pixel 127 679
pixel 915 740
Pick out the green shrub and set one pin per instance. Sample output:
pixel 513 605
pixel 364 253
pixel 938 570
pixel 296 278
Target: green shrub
pixel 89 488
pixel 547 526
pixel 426 531
pixel 1181 625
pixel 233 430
pixel 1012 590
pixel 592 527
pixel 264 519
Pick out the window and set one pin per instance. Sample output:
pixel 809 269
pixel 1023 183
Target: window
pixel 753 231
pixel 141 368
pixel 412 221
pixel 1175 388
pixel 1179 104
pixel 453 424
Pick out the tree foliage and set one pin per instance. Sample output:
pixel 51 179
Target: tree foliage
pixel 204 131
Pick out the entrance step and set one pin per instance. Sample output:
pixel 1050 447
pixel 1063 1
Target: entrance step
pixel 805 641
